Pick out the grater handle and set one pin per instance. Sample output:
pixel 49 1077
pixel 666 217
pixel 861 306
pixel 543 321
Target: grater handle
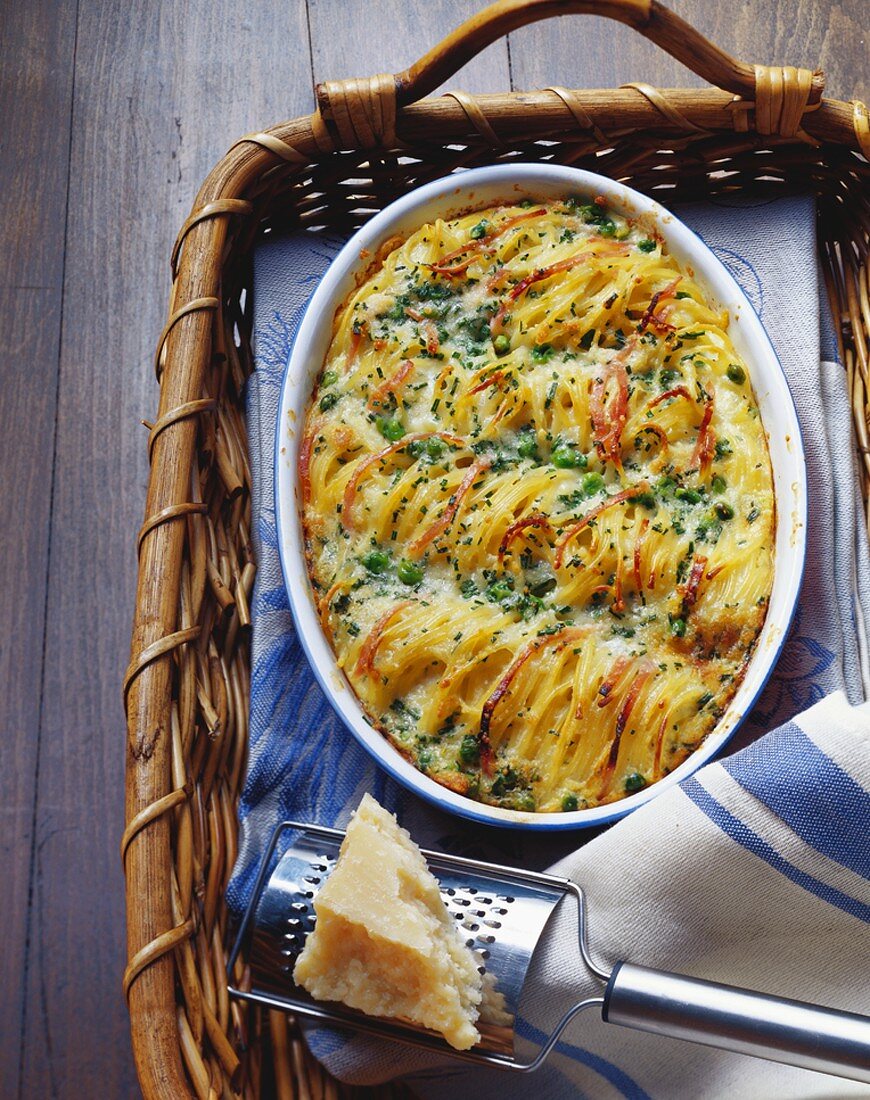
pixel 793 1032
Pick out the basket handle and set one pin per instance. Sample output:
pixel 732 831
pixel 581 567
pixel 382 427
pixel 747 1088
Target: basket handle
pixel 650 18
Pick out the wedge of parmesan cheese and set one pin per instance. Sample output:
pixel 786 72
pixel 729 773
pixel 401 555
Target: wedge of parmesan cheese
pixel 384 942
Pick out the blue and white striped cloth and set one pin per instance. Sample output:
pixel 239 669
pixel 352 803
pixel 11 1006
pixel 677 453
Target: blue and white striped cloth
pixel 754 872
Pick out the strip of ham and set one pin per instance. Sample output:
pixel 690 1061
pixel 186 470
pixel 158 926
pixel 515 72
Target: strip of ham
pixel 628 705
pixel 444 265
pixel 536 519
pixel 703 453
pixel 446 518
pixel 516 291
pixel 374 459
pixel 689 590
pixel 365 661
pixel 608 422
pixel 608 502
pixel 391 384
pixel 560 640
pixel 304 461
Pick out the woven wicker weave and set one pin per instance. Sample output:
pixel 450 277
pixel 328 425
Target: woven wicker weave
pixel 186 688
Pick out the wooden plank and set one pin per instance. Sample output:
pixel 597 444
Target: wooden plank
pixel 162 90
pixel 591 52
pixel 360 38
pixel 36 61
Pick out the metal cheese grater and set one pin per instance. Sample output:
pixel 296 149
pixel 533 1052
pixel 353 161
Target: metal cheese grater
pixel 504 912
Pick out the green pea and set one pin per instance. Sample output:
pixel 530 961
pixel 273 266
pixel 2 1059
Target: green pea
pixel 525 801
pixel 376 561
pixel 646 500
pixel 328 401
pixel 424 759
pixel 479 230
pixel 416 447
pixel 330 377
pixel 569 803
pixel 635 782
pixel 409 572
pixel 390 428
pixel 690 496
pixel 736 373
pixel 607 228
pixel 592 483
pixel 723 510
pixel 567 457
pixel 469 749
pixel 434 447
pixel 718 484
pixel 678 628
pixel 528 445
pixel 501 344
pixel 646 245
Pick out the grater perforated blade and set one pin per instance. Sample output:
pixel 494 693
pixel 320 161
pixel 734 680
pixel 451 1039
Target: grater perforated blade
pixel 502 912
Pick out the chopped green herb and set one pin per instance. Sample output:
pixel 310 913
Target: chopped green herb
pixel 723 448
pixel 469 749
pixel 542 353
pixel 678 627
pixel 479 230
pixel 527 446
pixel 586 339
pixel 500 590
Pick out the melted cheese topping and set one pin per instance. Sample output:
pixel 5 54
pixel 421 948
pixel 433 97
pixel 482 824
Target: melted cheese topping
pixel 538 504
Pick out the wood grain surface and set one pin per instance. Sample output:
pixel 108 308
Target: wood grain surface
pixel 112 115
pixel 36 62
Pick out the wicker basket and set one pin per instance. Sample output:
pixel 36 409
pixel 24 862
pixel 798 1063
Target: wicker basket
pixel 186 688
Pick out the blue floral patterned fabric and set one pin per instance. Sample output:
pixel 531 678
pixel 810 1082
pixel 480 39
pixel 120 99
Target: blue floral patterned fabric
pixel 304 764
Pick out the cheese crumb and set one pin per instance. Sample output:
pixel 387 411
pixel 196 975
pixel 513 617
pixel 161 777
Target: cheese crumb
pixel 384 942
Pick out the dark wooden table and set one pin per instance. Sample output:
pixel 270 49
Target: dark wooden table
pixel 111 116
